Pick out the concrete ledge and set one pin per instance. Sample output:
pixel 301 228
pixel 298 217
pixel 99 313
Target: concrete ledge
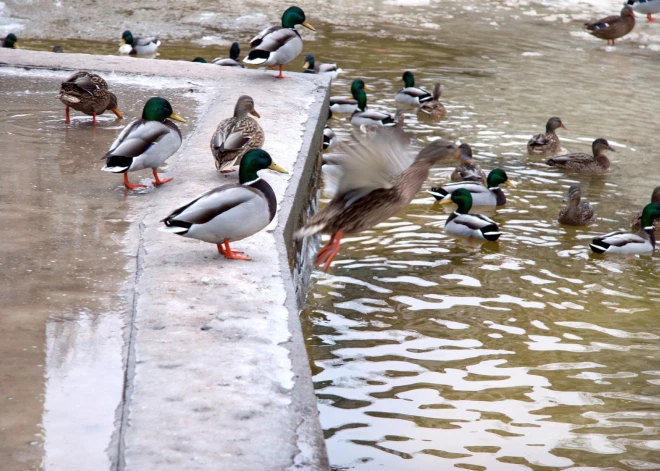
pixel 217 374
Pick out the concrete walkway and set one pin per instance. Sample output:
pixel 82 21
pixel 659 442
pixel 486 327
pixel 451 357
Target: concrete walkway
pixel 217 374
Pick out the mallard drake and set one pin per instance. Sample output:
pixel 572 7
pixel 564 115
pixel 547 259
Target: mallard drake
pixel 646 7
pixel 233 60
pixel 329 137
pixel 626 243
pixel 475 226
pixel 363 117
pixel 87 93
pixel 230 212
pixel 576 213
pixel 201 60
pixel 433 109
pixel 636 223
pixel 468 172
pixel 490 195
pixel 236 135
pixel 372 183
pixel 279 45
pixel 347 105
pixel 548 142
pixel 581 162
pixel 311 67
pixel 146 142
pixel 10 41
pixel 137 46
pixel 410 94
pixel 613 27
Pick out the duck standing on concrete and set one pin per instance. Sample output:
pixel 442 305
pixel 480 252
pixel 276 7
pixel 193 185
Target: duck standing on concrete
pixel 311 67
pixel 463 224
pixel 10 41
pixel 613 27
pixel 87 93
pixel 585 163
pixel 576 213
pixel 279 45
pixel 232 61
pixel 410 94
pixel 137 46
pixel 230 212
pixel 627 243
pixel 549 141
pixel 646 7
pixel 236 135
pixel 145 143
pixel 372 183
pixel 433 110
pixel 636 223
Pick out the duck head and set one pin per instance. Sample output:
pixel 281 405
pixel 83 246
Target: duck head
pixel 293 16
pixel 408 79
pixel 461 198
pixel 126 38
pixel 574 194
pixel 553 124
pixel 245 106
pixel 159 109
pixel 10 41
pixel 254 161
pixel 497 177
pixel 600 145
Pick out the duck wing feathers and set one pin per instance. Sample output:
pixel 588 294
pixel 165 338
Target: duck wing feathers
pixel 139 136
pixel 272 39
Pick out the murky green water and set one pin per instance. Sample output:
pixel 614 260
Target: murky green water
pixel 430 352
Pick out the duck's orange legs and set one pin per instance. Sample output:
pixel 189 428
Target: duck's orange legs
pixel 132 186
pixel 67 120
pixel 158 181
pixel 280 75
pixel 94 123
pixel 650 18
pixel 328 253
pixel 231 254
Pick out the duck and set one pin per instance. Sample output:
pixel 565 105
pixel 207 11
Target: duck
pixel 146 142
pixel 626 243
pixel 236 135
pixel 10 41
pixel 349 105
pixel 88 93
pixel 137 46
pixel 279 45
pixel 201 60
pixel 329 137
pixel 636 223
pixel 468 172
pixel 646 7
pixel 576 213
pixel 411 95
pixel 230 212
pixel 463 224
pixel 233 60
pixel 433 110
pixel 489 195
pixel 363 117
pixel 548 142
pixel 585 163
pixel 58 49
pixel 311 67
pixel 613 27
pixel 375 180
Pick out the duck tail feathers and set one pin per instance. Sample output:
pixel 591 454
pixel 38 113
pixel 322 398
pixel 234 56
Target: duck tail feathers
pixel 257 57
pixel 597 246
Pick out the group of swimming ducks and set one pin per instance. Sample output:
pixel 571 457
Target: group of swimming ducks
pixel 368 182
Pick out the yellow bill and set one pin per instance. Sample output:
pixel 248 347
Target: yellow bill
pixel 176 117
pixel 446 199
pixel 510 183
pixel 122 42
pixel 308 26
pixel 306 65
pixel 254 113
pixel 277 168
pixel 118 113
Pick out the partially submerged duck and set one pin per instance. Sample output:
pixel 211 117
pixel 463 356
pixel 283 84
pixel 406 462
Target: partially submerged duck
pixel 236 135
pixel 636 223
pixel 372 183
pixel 201 60
pixel 145 143
pixel 312 67
pixel 279 45
pixel 613 27
pixel 410 94
pixel 364 117
pixel 230 212
pixel 433 109
pixel 581 162
pixel 233 60
pixel 137 46
pixel 490 195
pixel 10 41
pixel 463 224
pixel 626 243
pixel 349 105
pixel 88 93
pixel 576 213
pixel 468 172
pixel 548 142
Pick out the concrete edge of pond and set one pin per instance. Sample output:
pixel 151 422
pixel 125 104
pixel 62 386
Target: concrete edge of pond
pixel 215 380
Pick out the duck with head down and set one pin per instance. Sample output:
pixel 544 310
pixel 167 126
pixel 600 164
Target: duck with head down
pixel 88 93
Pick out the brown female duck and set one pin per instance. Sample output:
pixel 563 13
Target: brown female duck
pixel 548 142
pixel 369 186
pixel 613 27
pixel 576 213
pixel 636 224
pixel 586 163
pixel 466 172
pixel 87 93
pixel 433 109
pixel 235 136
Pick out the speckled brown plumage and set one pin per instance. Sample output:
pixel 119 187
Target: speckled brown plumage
pixel 88 93
pixel 613 27
pixel 433 110
pixel 468 172
pixel 636 223
pixel 549 141
pixel 585 163
pixel 576 213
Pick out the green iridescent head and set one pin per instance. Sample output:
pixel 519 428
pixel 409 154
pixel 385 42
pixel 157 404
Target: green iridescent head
pixel 650 213
pixel 463 199
pixel 357 90
pixel 254 161
pixel 11 41
pixel 159 109
pixel 200 60
pixel 293 16
pixel 497 177
pixel 408 79
pixel 127 37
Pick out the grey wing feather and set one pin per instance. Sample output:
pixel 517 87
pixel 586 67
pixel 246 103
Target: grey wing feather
pixel 277 38
pixel 137 138
pixel 213 203
pixel 145 41
pixel 254 42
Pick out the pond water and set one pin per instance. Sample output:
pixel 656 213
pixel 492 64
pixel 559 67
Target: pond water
pixel 430 352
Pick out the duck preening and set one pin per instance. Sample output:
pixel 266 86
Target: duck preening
pixel 88 93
